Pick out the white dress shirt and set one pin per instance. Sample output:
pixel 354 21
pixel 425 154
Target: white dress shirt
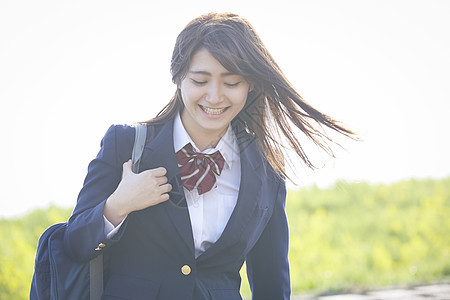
pixel 209 212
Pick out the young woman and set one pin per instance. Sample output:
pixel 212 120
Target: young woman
pixel 211 191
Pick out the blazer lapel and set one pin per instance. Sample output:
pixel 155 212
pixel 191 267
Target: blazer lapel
pixel 159 152
pixel 248 197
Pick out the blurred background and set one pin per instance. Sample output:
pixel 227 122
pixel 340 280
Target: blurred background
pixel 70 69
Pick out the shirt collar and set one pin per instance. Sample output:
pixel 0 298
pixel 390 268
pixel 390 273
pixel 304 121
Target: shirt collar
pixel 227 145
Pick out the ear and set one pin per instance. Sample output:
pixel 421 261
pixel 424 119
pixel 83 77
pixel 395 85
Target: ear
pixel 251 87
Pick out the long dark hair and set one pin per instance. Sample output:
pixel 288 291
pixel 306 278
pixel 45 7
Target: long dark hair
pixel 273 108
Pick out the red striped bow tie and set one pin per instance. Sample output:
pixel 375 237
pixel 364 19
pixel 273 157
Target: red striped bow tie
pixel 198 170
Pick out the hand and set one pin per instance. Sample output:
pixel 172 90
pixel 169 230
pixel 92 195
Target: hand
pixel 136 192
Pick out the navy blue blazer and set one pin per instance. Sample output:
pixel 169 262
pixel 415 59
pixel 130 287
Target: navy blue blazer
pixel 152 255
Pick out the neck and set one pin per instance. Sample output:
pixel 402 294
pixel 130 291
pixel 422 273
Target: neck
pixel 202 136
pixel 205 141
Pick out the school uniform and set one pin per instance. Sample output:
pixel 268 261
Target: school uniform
pixel 187 247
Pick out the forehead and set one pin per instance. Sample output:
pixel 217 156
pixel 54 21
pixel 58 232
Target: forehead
pixel 202 62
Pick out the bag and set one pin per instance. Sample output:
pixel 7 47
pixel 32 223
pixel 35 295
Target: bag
pixel 56 276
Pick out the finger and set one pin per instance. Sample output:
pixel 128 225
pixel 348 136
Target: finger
pixel 161 180
pixel 126 168
pixel 164 197
pixel 161 198
pixel 158 172
pixel 165 188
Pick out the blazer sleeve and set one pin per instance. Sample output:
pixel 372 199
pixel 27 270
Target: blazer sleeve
pixel 267 263
pixel 84 237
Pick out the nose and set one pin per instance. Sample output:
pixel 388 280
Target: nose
pixel 214 94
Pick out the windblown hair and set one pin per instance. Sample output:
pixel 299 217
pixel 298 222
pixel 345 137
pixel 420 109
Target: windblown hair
pixel 272 109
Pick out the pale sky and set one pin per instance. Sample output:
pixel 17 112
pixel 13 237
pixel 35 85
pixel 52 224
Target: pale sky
pixel 70 69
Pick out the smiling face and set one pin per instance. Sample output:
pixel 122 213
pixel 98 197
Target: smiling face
pixel 212 97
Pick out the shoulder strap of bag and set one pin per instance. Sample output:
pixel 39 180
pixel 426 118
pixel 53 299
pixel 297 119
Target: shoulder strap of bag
pixel 96 264
pixel 138 148
pixel 96 278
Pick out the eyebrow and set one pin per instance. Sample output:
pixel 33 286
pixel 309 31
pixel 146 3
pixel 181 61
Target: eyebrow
pixel 209 74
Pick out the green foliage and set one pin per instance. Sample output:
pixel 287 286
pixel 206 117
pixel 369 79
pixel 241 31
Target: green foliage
pixel 360 236
pixel 352 236
pixel 357 236
pixel 19 238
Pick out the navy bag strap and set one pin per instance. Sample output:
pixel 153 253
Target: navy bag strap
pixel 96 264
pixel 138 148
pixel 96 278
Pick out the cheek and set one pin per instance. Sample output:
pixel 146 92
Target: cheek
pixel 240 98
pixel 189 95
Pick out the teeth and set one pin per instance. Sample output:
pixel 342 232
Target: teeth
pixel 213 111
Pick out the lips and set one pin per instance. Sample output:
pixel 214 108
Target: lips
pixel 212 111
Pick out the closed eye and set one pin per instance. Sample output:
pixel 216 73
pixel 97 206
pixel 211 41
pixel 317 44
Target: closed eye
pixel 199 82
pixel 233 84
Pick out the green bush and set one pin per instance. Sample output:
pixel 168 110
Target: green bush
pixel 358 236
pixel 361 236
pixel 19 238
